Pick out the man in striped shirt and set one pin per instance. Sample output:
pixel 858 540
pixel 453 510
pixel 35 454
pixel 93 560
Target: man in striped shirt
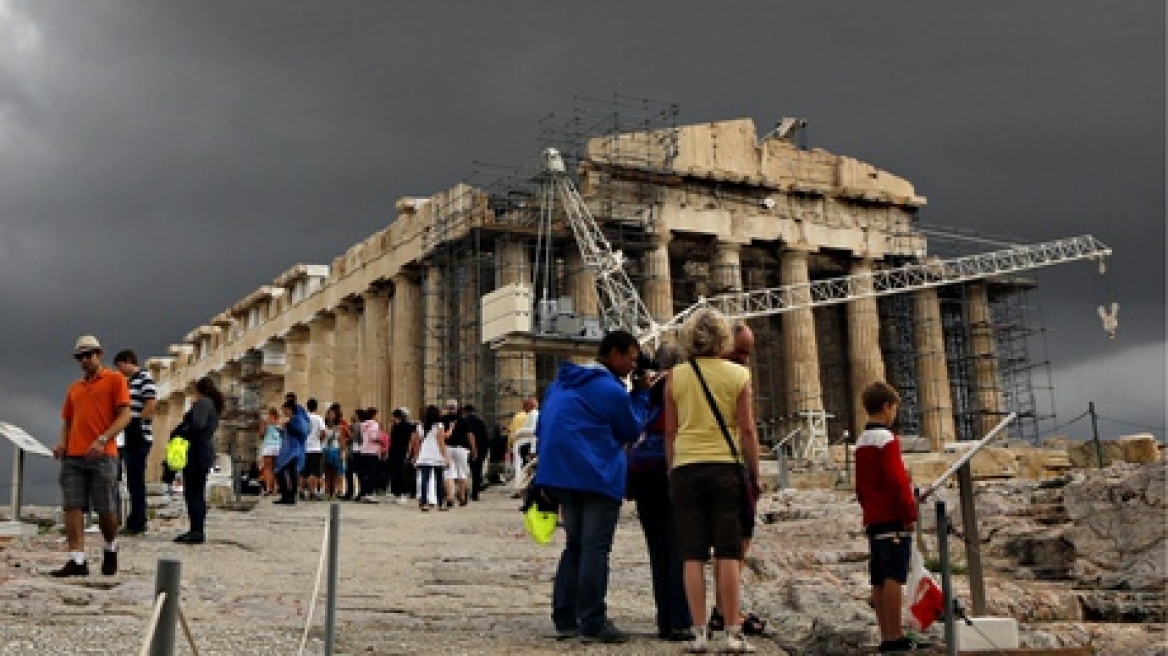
pixel 139 437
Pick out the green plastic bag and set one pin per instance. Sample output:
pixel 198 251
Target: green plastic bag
pixel 176 453
pixel 540 525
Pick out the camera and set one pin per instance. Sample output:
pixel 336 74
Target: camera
pixel 645 364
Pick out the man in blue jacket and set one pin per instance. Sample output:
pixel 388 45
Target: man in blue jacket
pixel 587 419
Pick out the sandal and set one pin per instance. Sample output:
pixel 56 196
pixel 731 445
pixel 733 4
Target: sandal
pixel 751 624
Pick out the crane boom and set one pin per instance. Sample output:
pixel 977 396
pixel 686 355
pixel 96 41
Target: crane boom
pixel 621 307
pixel 910 277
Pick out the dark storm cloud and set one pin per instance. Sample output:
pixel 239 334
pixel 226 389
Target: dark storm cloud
pixel 162 160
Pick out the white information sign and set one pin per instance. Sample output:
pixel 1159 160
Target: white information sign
pixel 23 440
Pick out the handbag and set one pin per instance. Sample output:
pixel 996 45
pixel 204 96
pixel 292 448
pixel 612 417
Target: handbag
pixel 749 491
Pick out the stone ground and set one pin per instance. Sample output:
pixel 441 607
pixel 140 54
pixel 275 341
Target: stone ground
pixel 471 581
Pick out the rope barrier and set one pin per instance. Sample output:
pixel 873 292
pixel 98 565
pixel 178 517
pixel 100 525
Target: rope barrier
pixel 157 612
pixel 182 620
pixel 315 588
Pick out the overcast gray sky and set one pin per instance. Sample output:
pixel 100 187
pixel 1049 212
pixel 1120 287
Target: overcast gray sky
pixel 161 160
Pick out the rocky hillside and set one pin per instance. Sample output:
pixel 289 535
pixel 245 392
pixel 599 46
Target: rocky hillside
pixel 1077 560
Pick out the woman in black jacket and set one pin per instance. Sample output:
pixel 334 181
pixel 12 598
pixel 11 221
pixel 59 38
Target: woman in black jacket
pixel 198 426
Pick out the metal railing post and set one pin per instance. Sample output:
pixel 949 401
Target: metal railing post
pixel 334 548
pixel 946 578
pixel 168 580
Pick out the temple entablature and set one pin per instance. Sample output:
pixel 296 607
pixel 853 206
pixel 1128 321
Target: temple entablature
pixel 302 281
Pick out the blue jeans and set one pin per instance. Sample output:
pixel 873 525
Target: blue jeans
pixel 582 577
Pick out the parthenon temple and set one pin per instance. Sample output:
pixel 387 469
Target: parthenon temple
pixel 395 320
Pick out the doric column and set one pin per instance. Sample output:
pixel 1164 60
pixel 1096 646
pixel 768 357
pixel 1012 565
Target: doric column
pixel 345 340
pixel 983 345
pixel 726 267
pixel 934 395
pixel 296 357
pixel 516 371
pixel 375 382
pixel 581 284
pixel 231 437
pixel 434 325
pixel 658 280
pixel 406 343
pixel 865 362
pixel 800 349
pixel 322 367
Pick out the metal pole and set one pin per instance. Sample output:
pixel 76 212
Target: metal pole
pixel 168 580
pixel 334 548
pixel 1095 431
pixel 781 458
pixel 17 476
pixel 946 579
pixel 969 527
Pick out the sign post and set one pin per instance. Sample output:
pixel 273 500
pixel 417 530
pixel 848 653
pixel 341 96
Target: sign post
pixel 21 442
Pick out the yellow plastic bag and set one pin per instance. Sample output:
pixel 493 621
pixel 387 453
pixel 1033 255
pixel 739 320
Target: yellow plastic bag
pixel 540 525
pixel 176 453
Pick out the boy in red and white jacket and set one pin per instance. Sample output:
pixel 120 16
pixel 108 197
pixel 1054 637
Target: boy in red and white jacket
pixel 890 511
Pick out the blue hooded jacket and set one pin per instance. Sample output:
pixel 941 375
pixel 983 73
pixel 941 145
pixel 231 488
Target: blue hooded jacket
pixel 586 420
pixel 292 444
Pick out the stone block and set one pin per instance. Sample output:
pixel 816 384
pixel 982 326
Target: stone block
pixel 1083 454
pixel 1140 449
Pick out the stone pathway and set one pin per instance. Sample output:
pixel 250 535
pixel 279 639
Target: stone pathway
pixel 469 581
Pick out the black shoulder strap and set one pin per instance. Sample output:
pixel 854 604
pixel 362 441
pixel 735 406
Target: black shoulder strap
pixel 714 406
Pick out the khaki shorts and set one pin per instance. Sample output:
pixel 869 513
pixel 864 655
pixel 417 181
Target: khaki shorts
pixel 92 484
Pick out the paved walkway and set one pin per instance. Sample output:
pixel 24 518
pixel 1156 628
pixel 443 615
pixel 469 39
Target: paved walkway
pixel 468 581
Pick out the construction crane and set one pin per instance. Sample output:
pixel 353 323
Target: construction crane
pixel 621 306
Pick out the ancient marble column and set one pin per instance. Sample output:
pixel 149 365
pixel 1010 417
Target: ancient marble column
pixel 658 282
pixel 296 356
pixel 374 382
pixel 516 371
pixel 865 361
pixel 406 343
pixel 232 436
pixel 581 284
pixel 726 267
pixel 934 396
pixel 345 339
pixel 322 367
pixel 800 349
pixel 983 346
pixel 434 326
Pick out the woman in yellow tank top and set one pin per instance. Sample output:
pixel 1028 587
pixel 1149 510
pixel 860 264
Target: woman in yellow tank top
pixel 704 476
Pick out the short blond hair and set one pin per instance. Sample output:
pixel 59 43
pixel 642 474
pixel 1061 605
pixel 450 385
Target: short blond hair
pixel 706 333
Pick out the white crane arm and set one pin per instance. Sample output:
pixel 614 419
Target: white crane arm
pixel 776 300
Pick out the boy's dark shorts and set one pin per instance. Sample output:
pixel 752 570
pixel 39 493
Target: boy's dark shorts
pixel 889 556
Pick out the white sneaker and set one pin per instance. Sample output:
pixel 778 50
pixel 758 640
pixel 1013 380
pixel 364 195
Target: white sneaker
pixel 700 644
pixel 736 644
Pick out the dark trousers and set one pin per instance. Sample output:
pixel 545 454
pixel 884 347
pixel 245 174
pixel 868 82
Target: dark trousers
pixel 384 474
pixel 195 493
pixel 398 481
pixel 476 475
pixel 134 463
pixel 368 469
pixel 287 480
pixel 581 583
pixel 655 510
pixel 351 475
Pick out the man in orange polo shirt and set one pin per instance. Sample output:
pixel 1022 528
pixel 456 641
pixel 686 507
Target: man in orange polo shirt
pixel 97 408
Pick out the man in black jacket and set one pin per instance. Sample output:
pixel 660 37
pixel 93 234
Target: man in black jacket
pixel 477 429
